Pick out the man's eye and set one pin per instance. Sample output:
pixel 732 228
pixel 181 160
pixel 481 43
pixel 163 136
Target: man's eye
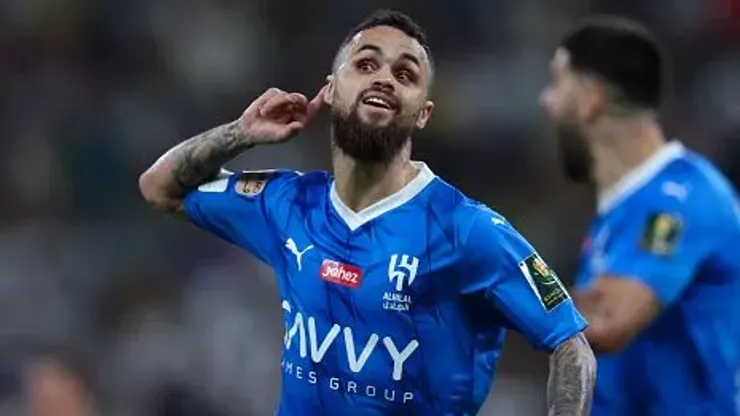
pixel 404 76
pixel 365 66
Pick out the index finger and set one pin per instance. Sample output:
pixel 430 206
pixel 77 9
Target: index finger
pixel 316 103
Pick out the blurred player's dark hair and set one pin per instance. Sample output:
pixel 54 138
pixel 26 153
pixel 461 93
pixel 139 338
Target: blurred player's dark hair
pixel 394 19
pixel 622 53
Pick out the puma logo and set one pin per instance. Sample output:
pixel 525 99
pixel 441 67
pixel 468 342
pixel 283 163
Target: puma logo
pixel 291 245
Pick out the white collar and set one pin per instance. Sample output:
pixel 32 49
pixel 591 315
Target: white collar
pixel 355 220
pixel 640 175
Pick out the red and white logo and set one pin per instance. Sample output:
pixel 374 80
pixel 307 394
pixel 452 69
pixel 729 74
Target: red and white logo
pixel 340 273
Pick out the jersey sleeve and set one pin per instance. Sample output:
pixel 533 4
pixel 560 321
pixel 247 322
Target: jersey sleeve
pixel 509 273
pixel 241 208
pixel 663 244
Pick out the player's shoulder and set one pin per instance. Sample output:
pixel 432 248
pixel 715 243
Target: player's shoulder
pixel 685 193
pixel 278 182
pixel 688 185
pixel 709 181
pixel 466 214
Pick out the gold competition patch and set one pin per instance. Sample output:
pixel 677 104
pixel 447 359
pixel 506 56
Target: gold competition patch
pixel 252 183
pixel 544 282
pixel 661 233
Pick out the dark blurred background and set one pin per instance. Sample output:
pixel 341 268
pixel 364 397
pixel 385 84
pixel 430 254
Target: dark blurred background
pixel 102 299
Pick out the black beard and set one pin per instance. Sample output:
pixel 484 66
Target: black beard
pixel 575 155
pixel 366 143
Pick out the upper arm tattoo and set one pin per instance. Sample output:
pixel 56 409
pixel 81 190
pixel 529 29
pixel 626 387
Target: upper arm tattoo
pixel 572 378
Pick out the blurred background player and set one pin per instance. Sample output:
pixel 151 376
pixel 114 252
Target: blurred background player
pixel 659 275
pixel 396 288
pixel 57 384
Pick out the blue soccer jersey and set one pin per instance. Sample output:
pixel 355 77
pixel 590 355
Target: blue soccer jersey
pixel 399 309
pixel 674 225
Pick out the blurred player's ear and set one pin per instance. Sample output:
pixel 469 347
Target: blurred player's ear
pixel 424 115
pixel 329 91
pixel 593 100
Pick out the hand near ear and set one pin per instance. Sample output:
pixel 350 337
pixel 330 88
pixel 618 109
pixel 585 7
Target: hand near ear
pixel 277 116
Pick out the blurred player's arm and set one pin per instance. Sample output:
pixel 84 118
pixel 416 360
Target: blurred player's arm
pixel 572 377
pixel 274 117
pixel 617 309
pixel 649 264
pixel 517 282
pixel 191 163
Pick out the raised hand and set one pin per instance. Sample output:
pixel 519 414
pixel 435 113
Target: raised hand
pixel 274 117
pixel 277 116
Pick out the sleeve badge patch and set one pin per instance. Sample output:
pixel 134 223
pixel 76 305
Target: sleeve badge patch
pixel 544 282
pixel 252 183
pixel 661 233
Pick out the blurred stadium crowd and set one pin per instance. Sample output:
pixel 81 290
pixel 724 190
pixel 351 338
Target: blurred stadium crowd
pixel 169 321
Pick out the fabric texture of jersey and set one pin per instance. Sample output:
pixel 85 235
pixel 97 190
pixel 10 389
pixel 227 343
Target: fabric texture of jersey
pixel 674 225
pixel 399 309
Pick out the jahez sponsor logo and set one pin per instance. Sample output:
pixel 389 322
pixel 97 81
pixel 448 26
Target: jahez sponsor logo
pixel 341 274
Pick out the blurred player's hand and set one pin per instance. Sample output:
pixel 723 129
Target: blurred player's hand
pixel 276 115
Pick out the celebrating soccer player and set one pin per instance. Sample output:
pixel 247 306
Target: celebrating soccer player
pixel 659 277
pixel 396 288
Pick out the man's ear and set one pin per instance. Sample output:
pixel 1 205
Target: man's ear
pixel 329 91
pixel 593 100
pixel 424 115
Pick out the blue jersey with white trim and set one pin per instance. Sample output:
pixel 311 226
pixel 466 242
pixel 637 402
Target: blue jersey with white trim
pixel 400 309
pixel 674 225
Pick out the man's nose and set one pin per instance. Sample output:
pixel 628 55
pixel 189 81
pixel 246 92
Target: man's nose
pixel 384 80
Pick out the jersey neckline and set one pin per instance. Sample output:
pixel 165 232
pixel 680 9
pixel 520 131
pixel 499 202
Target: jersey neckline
pixel 640 176
pixel 355 220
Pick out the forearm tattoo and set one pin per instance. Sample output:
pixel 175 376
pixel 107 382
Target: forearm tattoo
pixel 200 158
pixel 572 377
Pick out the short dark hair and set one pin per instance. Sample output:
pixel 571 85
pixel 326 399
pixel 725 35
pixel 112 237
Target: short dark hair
pixel 623 53
pixel 394 19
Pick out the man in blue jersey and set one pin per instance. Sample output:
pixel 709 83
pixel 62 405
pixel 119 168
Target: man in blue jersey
pixel 396 288
pixel 659 276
